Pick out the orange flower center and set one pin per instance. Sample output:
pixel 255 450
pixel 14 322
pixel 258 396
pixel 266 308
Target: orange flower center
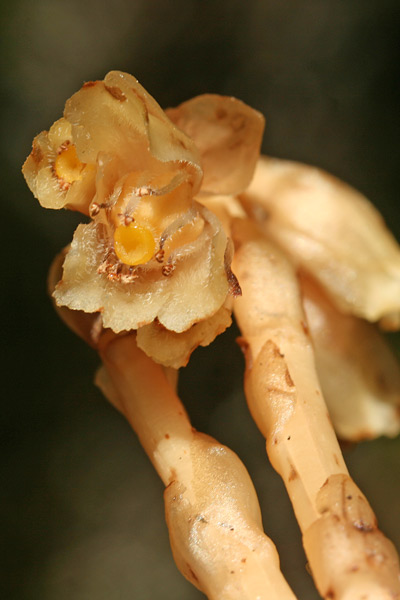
pixel 134 244
pixel 68 167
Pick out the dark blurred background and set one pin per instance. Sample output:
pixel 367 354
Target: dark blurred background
pixel 82 510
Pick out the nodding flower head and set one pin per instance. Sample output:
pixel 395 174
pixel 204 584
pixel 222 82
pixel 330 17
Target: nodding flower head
pixel 152 258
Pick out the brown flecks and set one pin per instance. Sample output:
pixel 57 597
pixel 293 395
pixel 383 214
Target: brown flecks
pixel 167 436
pixel 231 529
pixel 238 122
pixel 192 573
pixel 288 437
pixel 167 486
pixel 243 560
pixel 277 352
pixel 201 519
pixel 159 325
pixel 220 113
pixel 63 146
pixel 94 209
pixel 234 287
pixel 181 143
pixel 354 569
pixel 304 327
pixel 349 497
pixel 335 458
pixel 115 270
pixel 180 412
pixel 64 185
pixel 330 594
pixel 243 344
pixel 288 379
pixel 293 473
pixel 168 269
pixel 143 190
pixel 232 572
pixel 115 92
pixel 89 84
pixel 125 219
pixel 363 527
pixel 275 441
pixel 36 153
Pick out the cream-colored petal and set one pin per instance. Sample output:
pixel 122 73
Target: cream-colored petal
pixel 196 289
pixel 359 375
pixel 118 117
pixel 41 177
pixel 174 349
pixel 228 134
pixel 331 231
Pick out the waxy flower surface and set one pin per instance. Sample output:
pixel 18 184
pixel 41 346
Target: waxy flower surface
pixel 152 258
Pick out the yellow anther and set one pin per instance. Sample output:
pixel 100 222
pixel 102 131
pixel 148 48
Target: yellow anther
pixel 134 244
pixel 68 167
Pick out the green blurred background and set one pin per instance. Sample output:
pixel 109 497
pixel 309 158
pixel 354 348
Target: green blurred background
pixel 82 510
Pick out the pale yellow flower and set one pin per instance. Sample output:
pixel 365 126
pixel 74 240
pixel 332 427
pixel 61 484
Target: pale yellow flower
pixel 153 258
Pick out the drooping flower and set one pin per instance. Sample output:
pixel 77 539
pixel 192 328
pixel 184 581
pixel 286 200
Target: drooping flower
pixel 152 258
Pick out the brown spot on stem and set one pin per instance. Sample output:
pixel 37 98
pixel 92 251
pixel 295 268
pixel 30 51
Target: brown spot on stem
pixel 293 473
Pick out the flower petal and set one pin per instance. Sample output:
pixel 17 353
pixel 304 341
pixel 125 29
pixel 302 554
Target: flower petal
pixel 114 118
pixel 228 134
pixel 195 291
pixel 359 375
pixel 40 174
pixel 331 231
pixel 117 116
pixel 174 349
